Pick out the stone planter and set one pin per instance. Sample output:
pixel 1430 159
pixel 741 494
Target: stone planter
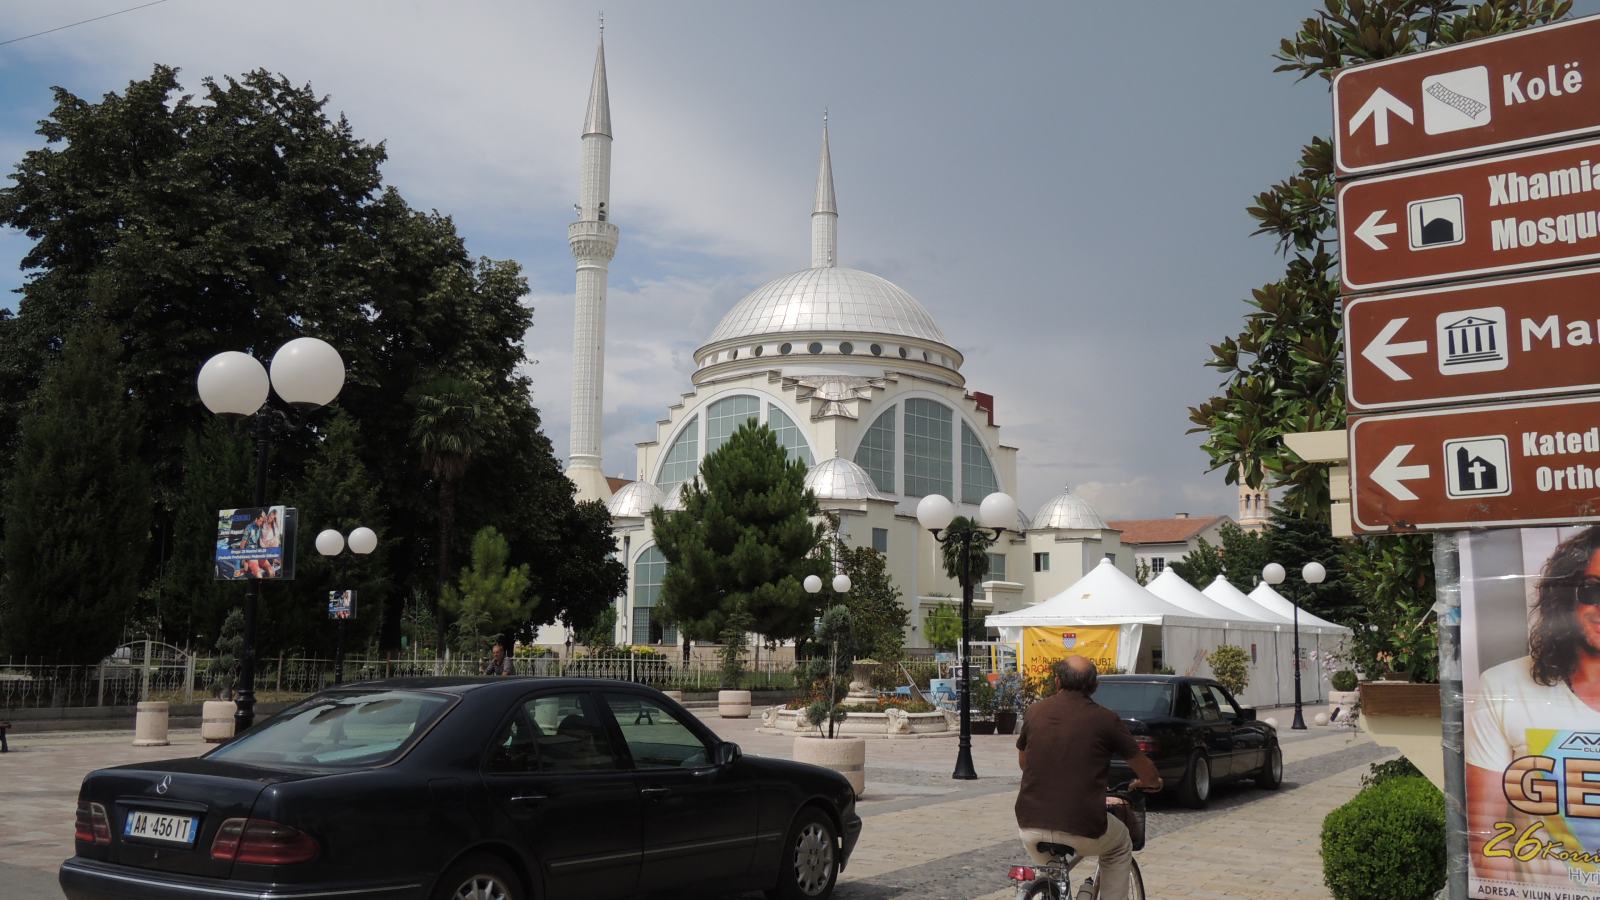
pixel 1343 705
pixel 892 723
pixel 1005 722
pixel 150 724
pixel 216 721
pixel 845 755
pixel 983 726
pixel 733 704
pixel 1407 717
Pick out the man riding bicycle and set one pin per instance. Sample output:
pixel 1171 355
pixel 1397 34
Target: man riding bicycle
pixel 1065 752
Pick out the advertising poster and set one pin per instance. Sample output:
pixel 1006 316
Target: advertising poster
pixel 341 605
pixel 1042 646
pixel 256 542
pixel 1530 654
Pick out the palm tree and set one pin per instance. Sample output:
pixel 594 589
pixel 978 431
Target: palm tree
pixel 452 423
pixel 978 565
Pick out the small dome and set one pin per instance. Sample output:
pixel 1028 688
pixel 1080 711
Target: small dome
pixel 840 479
pixel 674 501
pixel 635 500
pixel 828 299
pixel 1068 510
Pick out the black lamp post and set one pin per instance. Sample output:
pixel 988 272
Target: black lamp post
pixel 1274 575
pixel 330 544
pixel 307 373
pixel 935 512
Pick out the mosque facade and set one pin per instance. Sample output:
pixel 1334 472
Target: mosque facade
pixel 858 382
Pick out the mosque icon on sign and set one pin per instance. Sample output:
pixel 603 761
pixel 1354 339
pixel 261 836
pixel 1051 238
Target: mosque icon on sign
pixel 1477 467
pixel 1436 222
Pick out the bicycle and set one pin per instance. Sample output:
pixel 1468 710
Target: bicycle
pixel 1053 880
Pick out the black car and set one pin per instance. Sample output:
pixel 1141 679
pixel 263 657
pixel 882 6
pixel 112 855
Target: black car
pixel 1194 731
pixel 464 788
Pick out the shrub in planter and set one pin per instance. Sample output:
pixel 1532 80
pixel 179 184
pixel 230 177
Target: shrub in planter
pixel 1230 665
pixel 1344 680
pixel 1387 843
pixel 1380 772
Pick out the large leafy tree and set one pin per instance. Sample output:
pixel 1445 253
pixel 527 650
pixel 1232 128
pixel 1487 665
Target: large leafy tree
pixel 745 539
pixel 242 216
pixel 878 620
pixel 78 512
pixel 1282 371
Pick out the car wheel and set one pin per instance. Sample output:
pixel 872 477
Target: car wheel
pixel 1196 787
pixel 810 864
pixel 1271 774
pixel 480 877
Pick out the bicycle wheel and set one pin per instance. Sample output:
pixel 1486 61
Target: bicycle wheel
pixel 1045 889
pixel 1135 883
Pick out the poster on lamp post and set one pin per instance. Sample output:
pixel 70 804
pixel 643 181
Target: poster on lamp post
pixel 341 605
pixel 256 543
pixel 1530 655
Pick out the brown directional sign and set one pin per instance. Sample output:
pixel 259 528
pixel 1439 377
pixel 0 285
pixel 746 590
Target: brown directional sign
pixel 1533 335
pixel 1530 463
pixel 1508 214
pixel 1534 86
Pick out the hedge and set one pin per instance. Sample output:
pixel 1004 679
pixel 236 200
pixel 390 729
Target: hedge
pixel 1387 843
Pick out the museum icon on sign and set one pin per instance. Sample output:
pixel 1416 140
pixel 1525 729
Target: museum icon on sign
pixel 1477 467
pixel 1471 340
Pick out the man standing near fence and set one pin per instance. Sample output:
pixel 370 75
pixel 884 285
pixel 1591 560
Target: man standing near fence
pixel 499 664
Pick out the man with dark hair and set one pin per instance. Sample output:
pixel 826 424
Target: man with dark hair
pixel 1065 752
pixel 1556 686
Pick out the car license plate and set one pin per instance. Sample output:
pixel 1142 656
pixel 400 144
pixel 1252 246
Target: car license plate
pixel 162 827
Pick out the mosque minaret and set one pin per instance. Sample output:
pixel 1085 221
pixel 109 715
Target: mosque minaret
pixel 594 242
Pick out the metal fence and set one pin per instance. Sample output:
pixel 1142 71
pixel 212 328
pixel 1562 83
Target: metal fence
pixel 127 678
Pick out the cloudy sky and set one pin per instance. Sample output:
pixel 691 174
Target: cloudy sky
pixel 1062 185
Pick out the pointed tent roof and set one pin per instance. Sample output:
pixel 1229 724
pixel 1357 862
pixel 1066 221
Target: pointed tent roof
pixel 1226 594
pixel 1173 589
pixel 1105 596
pixel 1266 595
pixel 823 201
pixel 598 120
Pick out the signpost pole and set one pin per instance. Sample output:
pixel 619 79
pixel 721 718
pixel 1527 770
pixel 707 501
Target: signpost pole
pixel 1447 611
pixel 245 715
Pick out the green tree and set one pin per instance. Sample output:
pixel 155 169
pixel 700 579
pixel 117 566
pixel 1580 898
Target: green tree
pixel 1200 566
pixel 600 635
pixel 976 563
pixel 223 672
pixel 78 514
pixel 490 596
pixel 581 578
pixel 942 627
pixel 1230 666
pixel 215 474
pixel 743 538
pixel 1295 540
pixel 878 620
pixel 828 670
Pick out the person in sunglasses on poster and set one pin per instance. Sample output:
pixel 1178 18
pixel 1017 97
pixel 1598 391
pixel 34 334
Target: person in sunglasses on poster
pixel 1534 729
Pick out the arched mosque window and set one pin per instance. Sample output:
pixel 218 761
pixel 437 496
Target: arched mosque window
pixel 725 416
pixel 930 448
pixel 682 461
pixel 790 437
pixel 876 452
pixel 648 574
pixel 977 474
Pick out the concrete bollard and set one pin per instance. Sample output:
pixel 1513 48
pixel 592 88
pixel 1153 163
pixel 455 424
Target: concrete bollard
pixel 733 704
pixel 150 724
pixel 216 721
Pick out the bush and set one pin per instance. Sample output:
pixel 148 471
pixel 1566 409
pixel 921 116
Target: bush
pixel 1381 772
pixel 1230 665
pixel 1387 843
pixel 1344 680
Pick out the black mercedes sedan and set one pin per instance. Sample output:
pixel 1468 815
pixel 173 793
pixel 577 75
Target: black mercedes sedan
pixel 466 789
pixel 1194 731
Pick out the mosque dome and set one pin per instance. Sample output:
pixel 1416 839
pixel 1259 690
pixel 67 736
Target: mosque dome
pixel 1067 510
pixel 840 479
pixel 828 299
pixel 635 500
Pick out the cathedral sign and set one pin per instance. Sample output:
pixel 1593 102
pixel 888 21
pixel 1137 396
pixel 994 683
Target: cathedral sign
pixel 1533 335
pixel 1513 213
pixel 1531 87
pixel 1529 463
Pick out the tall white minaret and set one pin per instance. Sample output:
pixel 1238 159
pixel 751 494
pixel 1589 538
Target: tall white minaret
pixel 594 242
pixel 824 211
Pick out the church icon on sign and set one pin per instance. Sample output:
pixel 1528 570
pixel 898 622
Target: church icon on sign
pixel 1477 467
pixel 1471 340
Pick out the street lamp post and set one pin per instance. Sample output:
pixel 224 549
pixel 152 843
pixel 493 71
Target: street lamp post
pixel 306 373
pixel 330 544
pixel 935 512
pixel 1311 573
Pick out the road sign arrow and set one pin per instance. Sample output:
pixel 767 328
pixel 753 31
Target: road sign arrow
pixel 1374 227
pixel 1391 475
pixel 1377 108
pixel 1381 353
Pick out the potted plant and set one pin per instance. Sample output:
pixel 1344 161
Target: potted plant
pixel 216 716
pixel 1344 697
pixel 845 755
pixel 981 698
pixel 1007 702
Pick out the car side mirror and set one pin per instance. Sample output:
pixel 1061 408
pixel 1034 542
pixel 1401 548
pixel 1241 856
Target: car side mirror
pixel 727 753
pixel 1247 713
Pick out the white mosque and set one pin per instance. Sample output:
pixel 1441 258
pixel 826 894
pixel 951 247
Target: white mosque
pixel 858 382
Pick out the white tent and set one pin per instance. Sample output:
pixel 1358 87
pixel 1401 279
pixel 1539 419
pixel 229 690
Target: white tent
pixel 1226 594
pixel 1274 659
pixel 1185 649
pixel 1104 608
pixel 1320 640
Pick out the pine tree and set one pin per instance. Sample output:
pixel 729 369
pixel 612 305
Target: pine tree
pixel 78 509
pixel 745 537
pixel 215 475
pixel 490 596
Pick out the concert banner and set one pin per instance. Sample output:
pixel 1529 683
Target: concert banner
pixel 341 605
pixel 1530 646
pixel 256 543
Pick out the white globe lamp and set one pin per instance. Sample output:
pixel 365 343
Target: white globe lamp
pixel 307 373
pixel 935 512
pixel 330 542
pixel 232 384
pixel 363 541
pixel 998 510
pixel 813 584
pixel 841 584
pixel 1273 574
pixel 1314 573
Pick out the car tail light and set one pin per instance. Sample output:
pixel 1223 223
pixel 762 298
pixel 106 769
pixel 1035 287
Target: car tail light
pixel 1021 873
pixel 1145 743
pixel 259 842
pixel 93 826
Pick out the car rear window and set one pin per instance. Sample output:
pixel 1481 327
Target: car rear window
pixel 340 729
pixel 1135 698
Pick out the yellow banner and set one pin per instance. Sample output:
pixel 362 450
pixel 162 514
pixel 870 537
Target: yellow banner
pixel 1044 645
